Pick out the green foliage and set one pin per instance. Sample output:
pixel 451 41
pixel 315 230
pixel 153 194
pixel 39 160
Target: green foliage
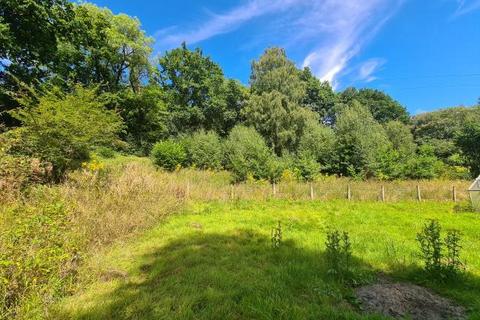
pixel 105 152
pixel 146 117
pixel 274 108
pixel 204 150
pixel 360 142
pixel 168 154
pixel 318 143
pixel 431 246
pixel 380 104
pixel 62 128
pixel 247 154
pixel 423 165
pixel 401 138
pixel 307 166
pixel 440 129
pixel 469 142
pixel 319 97
pixel 275 72
pixel 438 263
pixel 338 254
pixel 196 92
pixel 103 48
pixel 38 257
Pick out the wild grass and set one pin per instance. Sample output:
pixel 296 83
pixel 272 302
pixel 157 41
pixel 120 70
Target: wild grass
pixel 109 202
pixel 216 261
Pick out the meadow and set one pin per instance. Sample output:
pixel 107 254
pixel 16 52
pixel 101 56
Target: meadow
pixel 120 239
pixel 216 261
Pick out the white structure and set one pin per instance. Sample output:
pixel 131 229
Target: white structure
pixel 474 191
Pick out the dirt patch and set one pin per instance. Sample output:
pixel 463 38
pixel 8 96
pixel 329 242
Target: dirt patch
pixel 110 275
pixel 400 300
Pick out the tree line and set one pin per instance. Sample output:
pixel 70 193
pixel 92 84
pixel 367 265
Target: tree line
pixel 76 78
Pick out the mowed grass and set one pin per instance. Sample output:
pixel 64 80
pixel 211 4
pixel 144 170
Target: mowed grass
pixel 215 261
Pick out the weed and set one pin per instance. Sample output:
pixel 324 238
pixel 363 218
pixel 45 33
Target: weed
pixel 277 235
pixel 440 263
pixel 338 254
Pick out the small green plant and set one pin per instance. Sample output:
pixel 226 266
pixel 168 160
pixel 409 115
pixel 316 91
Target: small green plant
pixel 431 246
pixel 440 263
pixel 452 242
pixel 338 254
pixel 277 235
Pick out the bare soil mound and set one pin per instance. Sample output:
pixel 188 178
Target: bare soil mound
pixel 400 300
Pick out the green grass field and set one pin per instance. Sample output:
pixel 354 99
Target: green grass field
pixel 215 261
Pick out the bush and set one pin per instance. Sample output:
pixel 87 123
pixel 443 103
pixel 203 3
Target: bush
pixel 105 152
pixel 168 154
pixel 247 154
pixel 424 165
pixel 62 129
pixel 204 150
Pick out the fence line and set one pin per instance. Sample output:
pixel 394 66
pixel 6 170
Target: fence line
pixel 352 191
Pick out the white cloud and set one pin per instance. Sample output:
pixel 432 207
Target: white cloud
pixel 368 68
pixel 331 31
pixel 465 7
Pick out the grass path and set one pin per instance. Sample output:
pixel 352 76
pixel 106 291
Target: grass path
pixel 215 261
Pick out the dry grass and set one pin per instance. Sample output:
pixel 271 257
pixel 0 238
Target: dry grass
pixel 124 200
pixel 207 186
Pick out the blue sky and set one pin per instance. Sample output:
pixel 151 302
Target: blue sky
pixel 425 53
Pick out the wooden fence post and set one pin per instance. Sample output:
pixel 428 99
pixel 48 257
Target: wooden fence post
pixel 382 194
pixel 419 194
pixel 274 188
pixel 232 192
pixel 454 194
pixel 349 193
pixel 312 196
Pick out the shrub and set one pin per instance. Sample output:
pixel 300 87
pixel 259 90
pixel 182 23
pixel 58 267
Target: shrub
pixel 105 152
pixel 204 150
pixel 168 154
pixel 247 154
pixel 62 128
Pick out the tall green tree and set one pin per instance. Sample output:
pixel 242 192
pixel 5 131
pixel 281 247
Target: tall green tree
pixel 30 31
pixel 196 92
pixel 274 108
pixel 107 49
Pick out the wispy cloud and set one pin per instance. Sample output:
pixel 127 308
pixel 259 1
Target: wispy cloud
pixel 368 68
pixel 223 23
pixel 332 32
pixel 465 7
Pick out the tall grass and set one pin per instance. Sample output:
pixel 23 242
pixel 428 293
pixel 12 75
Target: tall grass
pixel 57 227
